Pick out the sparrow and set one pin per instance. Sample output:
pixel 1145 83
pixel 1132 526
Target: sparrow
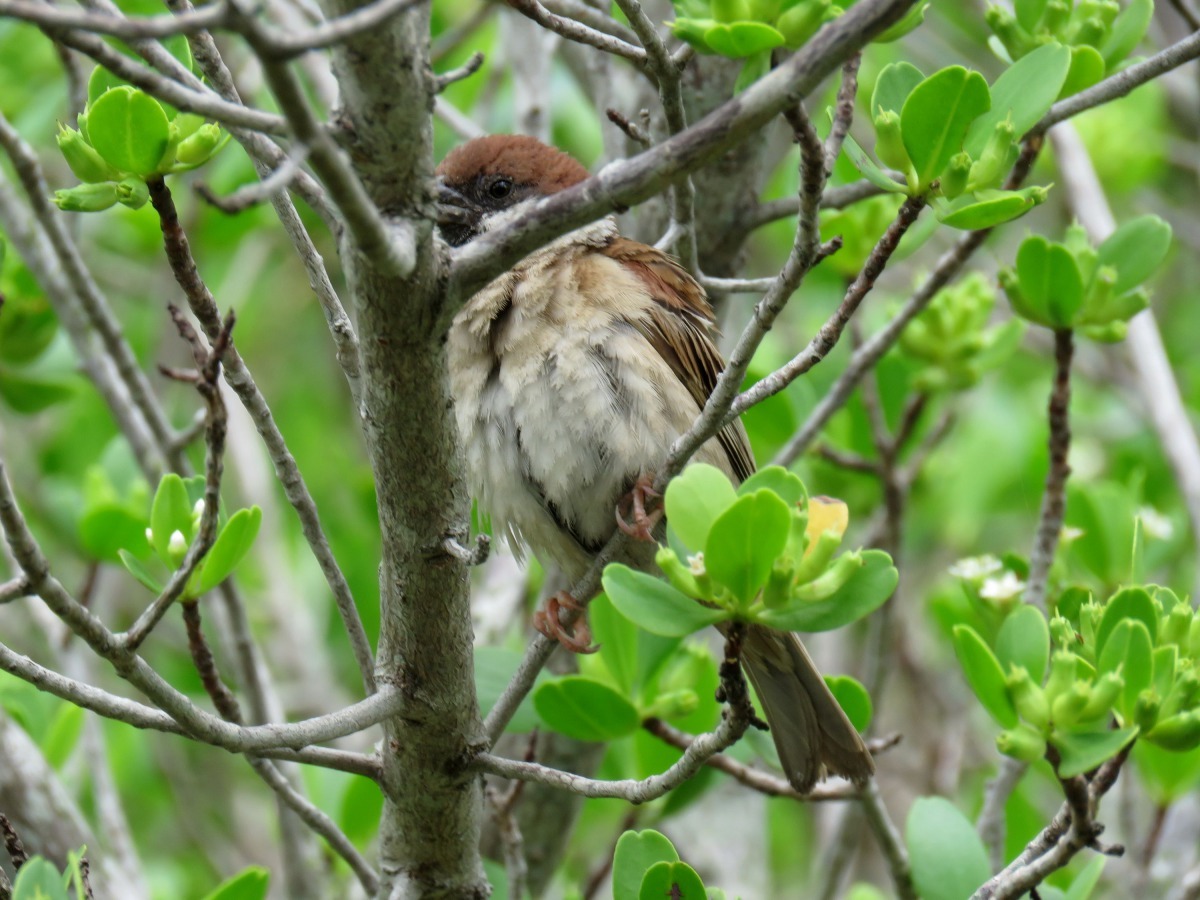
pixel 572 374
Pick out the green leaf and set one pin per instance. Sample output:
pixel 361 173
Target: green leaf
pixel 948 859
pixel 249 884
pixel 1087 68
pixel 27 393
pixel 1085 882
pixel 229 549
pixel 654 605
pixel 1050 281
pixel 936 117
pixel 1029 12
pixel 907 24
pixel 27 326
pixel 676 880
pixel 636 852
pixel 694 499
pixel 494 668
pixel 1130 651
pixel 361 809
pixel 618 640
pixel 170 512
pixel 1135 250
pixel 1127 31
pixel 100 81
pixel 1167 775
pixel 745 541
pixel 1129 603
pixel 984 675
pixel 893 86
pixel 106 529
pixel 738 39
pixel 129 129
pixel 1083 751
pixel 139 571
pixel 63 734
pixel 870 169
pixel 987 209
pixel 585 709
pixel 1023 94
pixel 778 479
pixel 1024 640
pixel 38 879
pixel 866 591
pixel 853 698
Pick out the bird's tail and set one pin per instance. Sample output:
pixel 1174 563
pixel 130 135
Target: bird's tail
pixel 812 734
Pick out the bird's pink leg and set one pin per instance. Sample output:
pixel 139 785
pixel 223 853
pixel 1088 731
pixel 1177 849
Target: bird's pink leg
pixel 579 638
pixel 642 526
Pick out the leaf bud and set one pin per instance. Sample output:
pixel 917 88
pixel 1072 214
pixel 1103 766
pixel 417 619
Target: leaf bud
pixel 1179 732
pixel 1146 709
pixel 1068 707
pixel 834 577
pixel 801 22
pixel 1022 742
pixel 1105 691
pixel 87 165
pixel 1028 698
pixel 1062 674
pixel 176 547
pixel 1175 628
pixel 1016 40
pixel 996 159
pixel 674 705
pixel 133 192
pixel 889 145
pixel 199 147
pixel 954 178
pixel 86 197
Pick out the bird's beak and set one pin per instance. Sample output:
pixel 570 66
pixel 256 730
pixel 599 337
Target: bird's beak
pixel 454 209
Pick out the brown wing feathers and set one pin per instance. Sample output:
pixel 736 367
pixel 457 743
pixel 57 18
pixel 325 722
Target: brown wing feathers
pixel 679 330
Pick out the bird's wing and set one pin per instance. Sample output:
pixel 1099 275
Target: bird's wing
pixel 678 327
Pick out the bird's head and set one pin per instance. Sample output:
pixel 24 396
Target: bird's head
pixel 483 178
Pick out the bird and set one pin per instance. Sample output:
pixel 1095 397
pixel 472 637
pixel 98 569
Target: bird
pixel 572 373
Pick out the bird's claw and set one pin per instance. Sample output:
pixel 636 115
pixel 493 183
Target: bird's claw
pixel 642 526
pixel 579 638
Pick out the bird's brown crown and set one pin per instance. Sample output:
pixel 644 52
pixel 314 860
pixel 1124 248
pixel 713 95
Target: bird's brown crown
pixel 525 160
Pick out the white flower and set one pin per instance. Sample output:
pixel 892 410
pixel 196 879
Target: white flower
pixel 976 567
pixel 696 564
pixel 149 536
pixel 1155 524
pixel 1005 587
pixel 198 509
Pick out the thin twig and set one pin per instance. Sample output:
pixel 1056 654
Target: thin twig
pixel 204 307
pixel 252 194
pixel 12 843
pixel 837 197
pixel 991 823
pixel 1054 497
pixel 443 80
pixel 574 30
pixel 889 839
pixel 14 589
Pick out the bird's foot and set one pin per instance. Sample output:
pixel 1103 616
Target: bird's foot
pixel 577 637
pixel 642 525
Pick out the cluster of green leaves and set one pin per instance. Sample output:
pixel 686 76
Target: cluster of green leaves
pixel 1132 658
pixel 751 29
pixel 1093 289
pixel 954 139
pixel 646 866
pixel 174 522
pixel 1100 34
pixel 33 376
pixel 124 137
pixel 763 552
pixel 951 338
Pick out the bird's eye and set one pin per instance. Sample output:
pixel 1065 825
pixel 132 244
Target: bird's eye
pixel 500 188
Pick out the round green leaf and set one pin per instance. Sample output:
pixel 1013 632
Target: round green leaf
pixel 38 879
pixel 1130 651
pixel 1135 250
pixel 585 709
pixel 777 479
pixel 853 698
pixel 1029 12
pixel 653 604
pixel 865 592
pixel 27 327
pixel 1081 752
pixel 28 393
pixel 107 528
pixel 129 129
pixel 1024 640
pixel 1023 94
pixel 745 541
pixel 1050 281
pixel 1132 603
pixel 694 499
pixel 1087 68
pixel 948 859
pixel 893 86
pixel 636 852
pixel 674 880
pixel 984 675
pixel 936 117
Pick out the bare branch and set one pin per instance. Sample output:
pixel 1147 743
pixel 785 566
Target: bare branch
pixel 838 197
pixel 576 31
pixel 274 184
pixel 466 70
pixel 14 589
